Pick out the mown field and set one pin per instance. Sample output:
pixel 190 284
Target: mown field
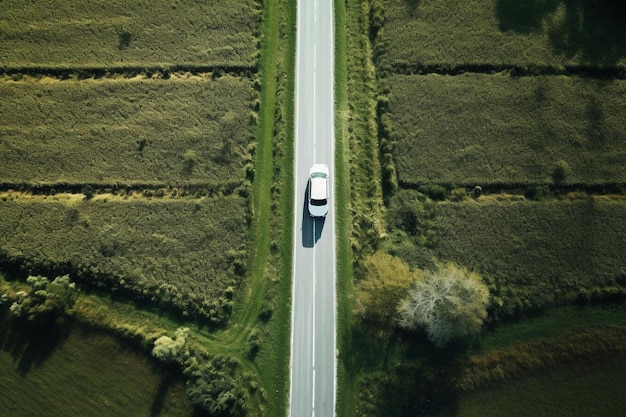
pixel 125 130
pixel 505 32
pixel 42 370
pixel 122 33
pixel 593 387
pixel 188 253
pixel 479 129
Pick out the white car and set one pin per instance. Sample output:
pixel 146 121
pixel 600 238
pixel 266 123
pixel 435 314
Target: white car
pixel 318 190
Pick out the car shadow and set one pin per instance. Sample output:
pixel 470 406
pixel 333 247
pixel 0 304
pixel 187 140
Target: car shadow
pixel 311 226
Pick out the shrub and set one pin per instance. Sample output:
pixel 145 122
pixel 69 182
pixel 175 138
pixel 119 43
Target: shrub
pixel 45 299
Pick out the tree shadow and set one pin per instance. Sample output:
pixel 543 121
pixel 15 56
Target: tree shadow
pixel 592 30
pixel 170 377
pixel 411 377
pixel 523 16
pixel 412 6
pixel 31 343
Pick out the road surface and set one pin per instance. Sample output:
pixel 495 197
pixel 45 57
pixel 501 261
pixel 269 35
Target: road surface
pixel 313 358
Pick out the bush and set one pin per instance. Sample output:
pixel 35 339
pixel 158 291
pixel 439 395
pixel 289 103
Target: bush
pixel 45 299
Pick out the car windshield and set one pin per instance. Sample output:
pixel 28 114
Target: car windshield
pixel 318 202
pixel 318 175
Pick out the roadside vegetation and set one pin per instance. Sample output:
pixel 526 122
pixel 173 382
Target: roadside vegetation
pixel 165 208
pixel 499 131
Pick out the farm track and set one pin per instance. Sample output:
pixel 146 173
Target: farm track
pixel 584 71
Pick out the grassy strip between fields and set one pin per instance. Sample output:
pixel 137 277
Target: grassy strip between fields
pixel 359 205
pixel 344 387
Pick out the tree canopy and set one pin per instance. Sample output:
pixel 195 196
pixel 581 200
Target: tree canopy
pixel 450 304
pixel 387 278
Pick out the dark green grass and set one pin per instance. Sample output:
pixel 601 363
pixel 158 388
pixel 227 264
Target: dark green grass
pixel 185 252
pixel 505 32
pixel 551 323
pixel 73 372
pixel 536 254
pixel 125 130
pixel 475 129
pixel 128 33
pixel 589 388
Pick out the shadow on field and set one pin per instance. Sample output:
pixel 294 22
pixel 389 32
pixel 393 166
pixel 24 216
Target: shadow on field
pixel 592 30
pixel 401 374
pixel 31 343
pixel 311 226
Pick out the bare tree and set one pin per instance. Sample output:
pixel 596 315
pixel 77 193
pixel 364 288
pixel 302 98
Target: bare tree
pixel 450 303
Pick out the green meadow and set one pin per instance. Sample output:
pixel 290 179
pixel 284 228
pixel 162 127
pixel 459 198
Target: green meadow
pixel 126 130
pixel 500 143
pixel 44 370
pixel 480 129
pixel 123 33
pixel 551 33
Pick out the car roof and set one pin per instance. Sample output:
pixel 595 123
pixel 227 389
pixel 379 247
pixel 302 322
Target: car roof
pixel 318 188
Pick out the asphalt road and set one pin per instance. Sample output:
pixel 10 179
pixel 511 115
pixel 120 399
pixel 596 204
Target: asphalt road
pixel 313 358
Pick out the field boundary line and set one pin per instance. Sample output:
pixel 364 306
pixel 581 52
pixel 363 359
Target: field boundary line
pixel 585 71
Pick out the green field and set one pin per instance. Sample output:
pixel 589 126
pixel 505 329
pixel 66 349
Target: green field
pixel 122 33
pixel 505 32
pixel 478 129
pixel 536 253
pixel 125 130
pixel 589 388
pixel 42 371
pixel 188 253
pixel 525 100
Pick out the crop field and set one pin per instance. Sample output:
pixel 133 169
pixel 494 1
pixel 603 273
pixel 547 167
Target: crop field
pixel 123 33
pixel 186 252
pixel 125 130
pixel 479 129
pixel 537 253
pixel 505 32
